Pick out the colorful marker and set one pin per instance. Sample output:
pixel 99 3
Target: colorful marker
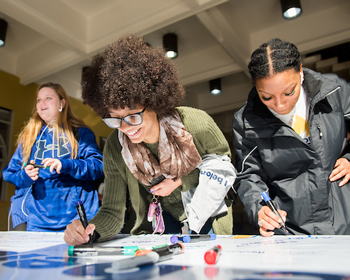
pixel 212 256
pixel 82 216
pixel 192 238
pixel 269 203
pixel 147 257
pixel 36 165
pixel 175 249
pixel 83 250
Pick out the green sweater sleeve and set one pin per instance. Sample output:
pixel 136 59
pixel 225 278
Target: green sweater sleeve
pixel 110 218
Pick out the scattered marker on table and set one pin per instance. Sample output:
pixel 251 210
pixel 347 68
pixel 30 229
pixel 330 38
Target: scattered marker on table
pixel 212 256
pixel 192 238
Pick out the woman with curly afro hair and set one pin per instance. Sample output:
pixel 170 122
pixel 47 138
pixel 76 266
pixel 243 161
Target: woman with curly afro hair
pixel 173 161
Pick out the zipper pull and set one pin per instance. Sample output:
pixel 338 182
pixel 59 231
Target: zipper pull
pixel 320 131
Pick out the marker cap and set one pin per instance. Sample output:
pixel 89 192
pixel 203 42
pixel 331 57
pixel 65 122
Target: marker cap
pixel 211 256
pixel 212 236
pixel 71 251
pixel 182 246
pixel 186 239
pixel 78 203
pixel 265 196
pixel 174 239
pixel 141 252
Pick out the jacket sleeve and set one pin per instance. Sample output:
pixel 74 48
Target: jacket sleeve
pixel 89 163
pixel 251 178
pixel 216 177
pixel 14 173
pixel 207 138
pixel 109 220
pixel 345 102
pixel 345 97
pixel 207 198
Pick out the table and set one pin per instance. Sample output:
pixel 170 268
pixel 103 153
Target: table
pixel 34 255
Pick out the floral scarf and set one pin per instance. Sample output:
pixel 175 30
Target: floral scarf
pixel 177 153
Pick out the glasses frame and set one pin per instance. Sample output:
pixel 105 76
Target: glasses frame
pixel 123 119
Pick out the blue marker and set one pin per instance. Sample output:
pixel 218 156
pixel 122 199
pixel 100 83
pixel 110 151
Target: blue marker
pixel 192 238
pixel 269 203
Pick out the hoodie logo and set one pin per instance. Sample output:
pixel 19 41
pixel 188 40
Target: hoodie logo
pixel 43 149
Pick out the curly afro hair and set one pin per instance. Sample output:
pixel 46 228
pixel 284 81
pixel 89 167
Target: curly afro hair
pixel 129 73
pixel 274 57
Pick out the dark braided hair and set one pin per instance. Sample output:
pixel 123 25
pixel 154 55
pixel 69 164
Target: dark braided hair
pixel 273 57
pixel 129 73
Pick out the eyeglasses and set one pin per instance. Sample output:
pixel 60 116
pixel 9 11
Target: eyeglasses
pixel 132 119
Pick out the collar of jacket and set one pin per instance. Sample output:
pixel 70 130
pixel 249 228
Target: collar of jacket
pixel 257 117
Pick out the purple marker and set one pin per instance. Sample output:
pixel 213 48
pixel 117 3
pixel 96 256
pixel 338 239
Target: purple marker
pixel 192 238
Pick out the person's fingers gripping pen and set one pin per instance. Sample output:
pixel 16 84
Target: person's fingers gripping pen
pixel 269 220
pixel 75 234
pixel 32 171
pixel 53 163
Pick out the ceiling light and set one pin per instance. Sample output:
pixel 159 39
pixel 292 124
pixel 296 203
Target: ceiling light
pixel 3 30
pixel 215 86
pixel 170 45
pixel 291 9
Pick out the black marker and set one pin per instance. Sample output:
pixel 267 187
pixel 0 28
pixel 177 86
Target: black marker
pixel 82 216
pixel 36 165
pixel 269 203
pixel 157 180
pixel 83 250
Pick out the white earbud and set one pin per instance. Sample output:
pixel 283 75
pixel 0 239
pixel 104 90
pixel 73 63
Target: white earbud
pixel 302 78
pixel 60 110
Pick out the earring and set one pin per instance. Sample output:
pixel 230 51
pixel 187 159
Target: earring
pixel 302 78
pixel 60 110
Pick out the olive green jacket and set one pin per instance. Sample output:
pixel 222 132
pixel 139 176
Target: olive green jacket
pixel 109 220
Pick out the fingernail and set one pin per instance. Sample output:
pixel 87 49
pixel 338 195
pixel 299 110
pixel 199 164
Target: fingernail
pixel 152 191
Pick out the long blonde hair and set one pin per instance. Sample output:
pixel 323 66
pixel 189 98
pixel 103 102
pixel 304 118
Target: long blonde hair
pixel 66 120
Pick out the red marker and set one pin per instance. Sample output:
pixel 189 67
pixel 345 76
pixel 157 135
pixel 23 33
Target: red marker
pixel 211 256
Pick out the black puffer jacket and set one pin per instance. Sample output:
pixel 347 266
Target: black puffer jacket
pixel 269 155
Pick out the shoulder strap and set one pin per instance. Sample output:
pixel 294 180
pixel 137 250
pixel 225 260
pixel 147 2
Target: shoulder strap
pixel 76 133
pixel 76 136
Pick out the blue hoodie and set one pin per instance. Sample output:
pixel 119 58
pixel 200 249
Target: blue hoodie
pixel 48 204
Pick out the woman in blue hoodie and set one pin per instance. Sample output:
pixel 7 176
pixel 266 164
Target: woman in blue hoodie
pixel 53 167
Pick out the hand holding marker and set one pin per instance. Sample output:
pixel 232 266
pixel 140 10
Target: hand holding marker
pixel 36 165
pixel 82 216
pixel 269 203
